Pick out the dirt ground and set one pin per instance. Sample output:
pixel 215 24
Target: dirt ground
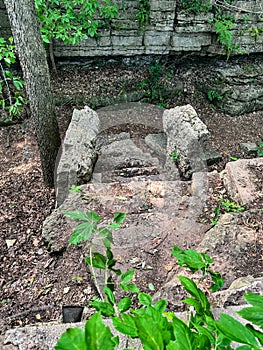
pixel 34 284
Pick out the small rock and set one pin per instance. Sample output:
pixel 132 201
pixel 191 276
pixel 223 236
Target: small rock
pixel 248 147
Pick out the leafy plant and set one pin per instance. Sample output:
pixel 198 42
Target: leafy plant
pixel 259 149
pixel 226 205
pixel 73 21
pixel 143 13
pixel 214 95
pixel 75 189
pixel 155 85
pixel 223 25
pixel 150 323
pixel 196 6
pixel 12 99
pixel 174 156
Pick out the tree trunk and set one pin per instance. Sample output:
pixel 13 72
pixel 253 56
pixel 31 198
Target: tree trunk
pixel 32 56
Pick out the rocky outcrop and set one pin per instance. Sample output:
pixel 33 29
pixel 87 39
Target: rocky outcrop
pixel 170 30
pixel 236 88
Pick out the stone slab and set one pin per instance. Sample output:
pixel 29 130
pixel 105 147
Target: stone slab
pixel 238 180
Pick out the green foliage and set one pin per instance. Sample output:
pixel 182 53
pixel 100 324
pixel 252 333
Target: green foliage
pixel 143 13
pixel 174 156
pixel 226 205
pixel 75 189
pixel 150 323
pixel 259 149
pixel 213 95
pixel 12 98
pixel 73 21
pixel 196 6
pixel 223 25
pixel 155 85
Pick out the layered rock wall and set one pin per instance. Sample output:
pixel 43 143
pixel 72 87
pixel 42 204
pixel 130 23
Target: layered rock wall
pixel 170 31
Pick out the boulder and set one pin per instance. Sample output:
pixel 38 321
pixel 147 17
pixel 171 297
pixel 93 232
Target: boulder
pixel 78 154
pixel 188 136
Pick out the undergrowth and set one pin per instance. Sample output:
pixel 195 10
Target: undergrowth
pixel 150 326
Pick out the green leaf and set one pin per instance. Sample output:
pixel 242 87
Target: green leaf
pixel 191 259
pixel 153 329
pixel 183 335
pixel 124 304
pixel 126 325
pixel 253 313
pixel 98 336
pixel 236 331
pixel 81 233
pixel 98 260
pixel 110 295
pixel 151 286
pixel 119 217
pixel 72 339
pixel 127 276
pixel 191 288
pixel 103 307
pixel 76 215
pixel 129 287
pixel 160 305
pixel 94 217
pixel 218 281
pixel 145 299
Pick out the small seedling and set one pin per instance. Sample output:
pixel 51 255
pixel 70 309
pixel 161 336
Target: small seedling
pixel 75 189
pixel 214 95
pixel 233 158
pixel 174 156
pixel 226 205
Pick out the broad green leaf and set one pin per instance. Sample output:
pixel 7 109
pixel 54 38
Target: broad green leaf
pixel 98 336
pixel 124 304
pixel 160 305
pixel 119 217
pixel 126 325
pixel 254 298
pixel 236 331
pixel 127 276
pixel 110 295
pixel 173 345
pixel 257 333
pixel 131 287
pixel 183 335
pixel 94 217
pixel 243 347
pixel 76 215
pixel 145 299
pixel 253 314
pixel 154 330
pixel 72 339
pixel 191 259
pixel 81 233
pixel 191 288
pixel 98 260
pixel 103 307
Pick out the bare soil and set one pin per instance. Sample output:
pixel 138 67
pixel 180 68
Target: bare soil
pixel 34 284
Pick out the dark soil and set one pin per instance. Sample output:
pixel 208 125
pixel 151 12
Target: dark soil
pixel 34 284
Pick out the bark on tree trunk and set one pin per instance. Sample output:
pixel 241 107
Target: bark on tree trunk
pixel 32 56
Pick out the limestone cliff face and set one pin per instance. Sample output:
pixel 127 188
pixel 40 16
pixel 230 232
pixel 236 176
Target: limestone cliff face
pixel 170 32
